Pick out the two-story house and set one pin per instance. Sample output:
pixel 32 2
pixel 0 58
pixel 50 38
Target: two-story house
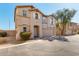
pixel 31 19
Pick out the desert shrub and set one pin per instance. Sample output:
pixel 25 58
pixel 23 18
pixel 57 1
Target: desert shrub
pixel 3 34
pixel 0 34
pixel 78 32
pixel 25 35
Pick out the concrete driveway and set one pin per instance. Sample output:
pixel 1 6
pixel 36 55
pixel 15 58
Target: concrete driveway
pixel 44 48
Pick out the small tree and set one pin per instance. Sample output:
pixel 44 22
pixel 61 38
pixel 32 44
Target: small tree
pixel 63 17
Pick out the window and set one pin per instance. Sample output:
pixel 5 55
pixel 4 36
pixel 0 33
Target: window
pixel 44 20
pixel 36 16
pixel 52 22
pixel 24 29
pixel 24 13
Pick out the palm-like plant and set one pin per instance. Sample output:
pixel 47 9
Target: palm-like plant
pixel 63 17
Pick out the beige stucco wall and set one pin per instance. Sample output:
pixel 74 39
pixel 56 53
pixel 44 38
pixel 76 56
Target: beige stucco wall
pixel 48 28
pixel 49 32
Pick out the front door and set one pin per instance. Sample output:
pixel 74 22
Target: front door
pixel 36 31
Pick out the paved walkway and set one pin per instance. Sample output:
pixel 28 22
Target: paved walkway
pixel 44 47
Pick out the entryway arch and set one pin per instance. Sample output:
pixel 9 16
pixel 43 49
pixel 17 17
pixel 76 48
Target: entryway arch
pixel 36 31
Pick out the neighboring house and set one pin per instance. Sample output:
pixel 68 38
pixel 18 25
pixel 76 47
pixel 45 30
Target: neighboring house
pixel 77 28
pixel 71 28
pixel 30 19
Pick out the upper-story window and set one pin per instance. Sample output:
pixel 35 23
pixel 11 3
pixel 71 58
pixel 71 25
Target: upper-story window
pixel 36 16
pixel 51 21
pixel 24 13
pixel 44 21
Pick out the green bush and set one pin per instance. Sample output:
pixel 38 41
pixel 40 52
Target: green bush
pixel 3 34
pixel 25 35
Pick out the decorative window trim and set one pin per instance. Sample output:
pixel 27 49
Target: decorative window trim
pixel 24 13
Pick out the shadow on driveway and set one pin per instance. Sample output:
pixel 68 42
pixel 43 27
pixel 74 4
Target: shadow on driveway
pixel 60 38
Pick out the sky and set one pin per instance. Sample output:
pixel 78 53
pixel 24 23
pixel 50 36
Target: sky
pixel 7 12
